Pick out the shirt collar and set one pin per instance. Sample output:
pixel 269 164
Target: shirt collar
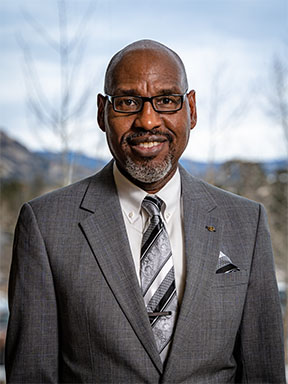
pixel 171 194
pixel 131 196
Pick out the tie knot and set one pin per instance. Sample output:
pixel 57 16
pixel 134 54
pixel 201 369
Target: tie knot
pixel 152 205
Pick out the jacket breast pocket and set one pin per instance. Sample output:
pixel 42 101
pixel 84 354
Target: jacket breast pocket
pixel 231 279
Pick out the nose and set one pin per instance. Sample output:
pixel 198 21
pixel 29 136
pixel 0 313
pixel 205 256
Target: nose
pixel 148 118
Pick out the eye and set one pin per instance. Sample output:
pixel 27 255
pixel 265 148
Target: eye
pixel 166 100
pixel 126 103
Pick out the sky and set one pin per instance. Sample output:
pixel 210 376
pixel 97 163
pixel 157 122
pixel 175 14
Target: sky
pixel 227 46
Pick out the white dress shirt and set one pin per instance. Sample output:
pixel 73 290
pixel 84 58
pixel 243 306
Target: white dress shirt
pixel 136 220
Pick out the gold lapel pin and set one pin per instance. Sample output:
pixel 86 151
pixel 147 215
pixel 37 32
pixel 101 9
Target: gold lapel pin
pixel 210 228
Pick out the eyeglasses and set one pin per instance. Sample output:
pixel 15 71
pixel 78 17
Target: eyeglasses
pixel 134 104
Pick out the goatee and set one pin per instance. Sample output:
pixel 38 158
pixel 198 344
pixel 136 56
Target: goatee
pixel 146 172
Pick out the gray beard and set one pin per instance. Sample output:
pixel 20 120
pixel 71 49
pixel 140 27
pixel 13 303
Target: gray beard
pixel 147 173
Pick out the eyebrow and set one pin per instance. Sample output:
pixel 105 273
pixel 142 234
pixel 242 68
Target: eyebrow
pixel 169 91
pixel 128 92
pixel 133 92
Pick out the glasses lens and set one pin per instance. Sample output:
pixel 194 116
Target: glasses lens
pixel 167 103
pixel 127 103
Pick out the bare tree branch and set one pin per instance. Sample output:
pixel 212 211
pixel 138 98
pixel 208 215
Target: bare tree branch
pixel 276 95
pixel 220 119
pixel 39 29
pixel 33 83
pixel 76 40
pixel 60 118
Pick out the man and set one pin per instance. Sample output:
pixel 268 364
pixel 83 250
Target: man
pixel 92 259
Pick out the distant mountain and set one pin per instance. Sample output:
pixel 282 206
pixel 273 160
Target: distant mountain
pixel 18 163
pixel 273 166
pixel 75 158
pixel 201 168
pixel 198 168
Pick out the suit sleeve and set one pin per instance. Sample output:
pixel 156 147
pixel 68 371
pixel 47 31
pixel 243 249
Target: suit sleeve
pixel 261 333
pixel 32 336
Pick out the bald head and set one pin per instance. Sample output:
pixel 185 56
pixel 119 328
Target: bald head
pixel 150 48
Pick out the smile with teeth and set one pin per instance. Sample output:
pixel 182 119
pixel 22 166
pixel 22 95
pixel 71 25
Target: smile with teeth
pixel 150 144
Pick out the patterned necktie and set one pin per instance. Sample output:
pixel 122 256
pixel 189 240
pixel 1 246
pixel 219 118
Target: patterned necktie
pixel 157 276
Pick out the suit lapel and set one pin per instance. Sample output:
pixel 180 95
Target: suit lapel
pixel 104 230
pixel 106 235
pixel 202 247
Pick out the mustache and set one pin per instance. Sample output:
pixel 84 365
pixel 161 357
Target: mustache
pixel 142 132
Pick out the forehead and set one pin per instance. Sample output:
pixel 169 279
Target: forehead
pixel 148 71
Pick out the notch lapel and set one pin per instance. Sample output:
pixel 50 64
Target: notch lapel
pixel 202 247
pixel 106 235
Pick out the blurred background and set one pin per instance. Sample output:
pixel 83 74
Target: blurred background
pixel 53 59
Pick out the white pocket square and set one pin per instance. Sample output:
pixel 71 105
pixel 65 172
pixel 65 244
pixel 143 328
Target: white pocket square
pixel 225 264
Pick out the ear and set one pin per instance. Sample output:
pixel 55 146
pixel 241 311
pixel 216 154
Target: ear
pixel 192 105
pixel 101 101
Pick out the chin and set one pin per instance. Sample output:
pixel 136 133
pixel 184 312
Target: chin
pixel 148 171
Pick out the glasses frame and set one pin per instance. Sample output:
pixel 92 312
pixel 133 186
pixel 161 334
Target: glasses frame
pixel 149 99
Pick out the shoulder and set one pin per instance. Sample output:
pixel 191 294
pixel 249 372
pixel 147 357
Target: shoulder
pixel 222 198
pixel 72 196
pixel 57 214
pixel 238 214
pixel 72 191
pixel 227 198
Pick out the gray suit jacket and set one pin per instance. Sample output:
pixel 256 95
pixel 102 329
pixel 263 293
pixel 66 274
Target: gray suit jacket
pixel 77 313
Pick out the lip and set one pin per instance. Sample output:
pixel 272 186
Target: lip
pixel 148 148
pixel 137 139
pixel 148 145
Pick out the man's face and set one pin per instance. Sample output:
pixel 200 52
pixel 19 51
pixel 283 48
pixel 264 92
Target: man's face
pixel 147 145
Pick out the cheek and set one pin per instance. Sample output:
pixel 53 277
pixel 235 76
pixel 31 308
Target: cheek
pixel 180 128
pixel 182 142
pixel 116 128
